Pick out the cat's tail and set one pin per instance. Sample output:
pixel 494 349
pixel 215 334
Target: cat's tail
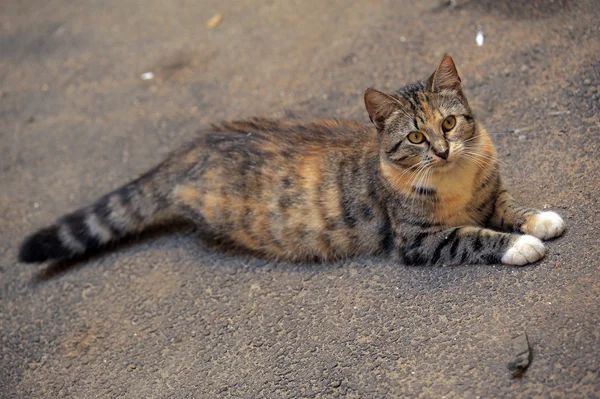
pixel 126 210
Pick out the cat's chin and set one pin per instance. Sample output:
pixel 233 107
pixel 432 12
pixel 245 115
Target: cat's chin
pixel 445 166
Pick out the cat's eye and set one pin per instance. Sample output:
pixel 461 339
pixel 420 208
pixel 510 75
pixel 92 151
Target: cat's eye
pixel 416 137
pixel 449 123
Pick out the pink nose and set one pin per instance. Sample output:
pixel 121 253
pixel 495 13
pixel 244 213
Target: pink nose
pixel 443 155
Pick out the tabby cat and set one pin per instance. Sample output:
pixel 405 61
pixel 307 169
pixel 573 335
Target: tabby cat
pixel 423 186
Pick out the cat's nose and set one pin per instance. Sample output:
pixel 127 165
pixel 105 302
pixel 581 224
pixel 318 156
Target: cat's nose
pixel 443 154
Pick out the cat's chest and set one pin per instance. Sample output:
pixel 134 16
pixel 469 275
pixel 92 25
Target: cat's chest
pixel 454 194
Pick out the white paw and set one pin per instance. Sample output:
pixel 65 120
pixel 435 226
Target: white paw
pixel 526 249
pixel 546 225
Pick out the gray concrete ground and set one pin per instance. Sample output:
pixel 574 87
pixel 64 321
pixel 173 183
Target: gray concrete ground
pixel 174 317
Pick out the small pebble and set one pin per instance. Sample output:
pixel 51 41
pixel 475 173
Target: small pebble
pixel 147 76
pixel 587 82
pixel 214 21
pixel 521 357
pixel 479 38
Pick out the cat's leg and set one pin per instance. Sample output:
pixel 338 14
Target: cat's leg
pixel 467 244
pixel 508 215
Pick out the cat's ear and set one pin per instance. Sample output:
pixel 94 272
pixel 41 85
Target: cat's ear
pixel 445 76
pixel 380 106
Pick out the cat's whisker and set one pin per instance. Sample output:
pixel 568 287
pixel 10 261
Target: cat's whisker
pixel 418 181
pixel 477 163
pixel 475 160
pixel 479 155
pixel 414 183
pixel 417 168
pixel 486 157
pixel 406 171
pixel 481 163
pixel 471 158
pixel 474 137
pixel 426 183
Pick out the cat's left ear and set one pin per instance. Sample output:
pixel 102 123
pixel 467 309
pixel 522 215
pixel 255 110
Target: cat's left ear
pixel 445 76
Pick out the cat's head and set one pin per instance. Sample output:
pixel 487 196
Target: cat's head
pixel 428 124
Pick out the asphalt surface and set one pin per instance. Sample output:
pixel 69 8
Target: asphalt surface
pixel 171 316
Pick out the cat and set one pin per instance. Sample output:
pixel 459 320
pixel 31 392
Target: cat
pixel 422 186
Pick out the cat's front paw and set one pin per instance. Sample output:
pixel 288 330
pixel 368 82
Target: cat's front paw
pixel 544 225
pixel 525 249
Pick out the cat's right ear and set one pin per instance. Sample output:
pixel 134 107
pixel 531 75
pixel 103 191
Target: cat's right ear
pixel 380 106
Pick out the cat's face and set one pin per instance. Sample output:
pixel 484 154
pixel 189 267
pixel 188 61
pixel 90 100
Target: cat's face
pixel 428 125
pixel 435 130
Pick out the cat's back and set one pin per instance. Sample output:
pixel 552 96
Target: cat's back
pixel 274 134
pixel 240 149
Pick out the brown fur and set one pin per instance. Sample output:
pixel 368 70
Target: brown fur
pixel 327 189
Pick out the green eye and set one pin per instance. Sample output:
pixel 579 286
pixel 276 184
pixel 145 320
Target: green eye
pixel 416 137
pixel 448 123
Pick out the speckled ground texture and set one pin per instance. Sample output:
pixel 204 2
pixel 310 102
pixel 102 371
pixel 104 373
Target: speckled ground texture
pixel 171 316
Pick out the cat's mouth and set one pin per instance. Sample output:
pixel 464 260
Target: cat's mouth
pixel 444 165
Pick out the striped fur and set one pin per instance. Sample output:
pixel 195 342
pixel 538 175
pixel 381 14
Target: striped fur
pixel 326 189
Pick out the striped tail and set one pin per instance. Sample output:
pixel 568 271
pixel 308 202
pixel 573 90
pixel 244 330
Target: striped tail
pixel 127 210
